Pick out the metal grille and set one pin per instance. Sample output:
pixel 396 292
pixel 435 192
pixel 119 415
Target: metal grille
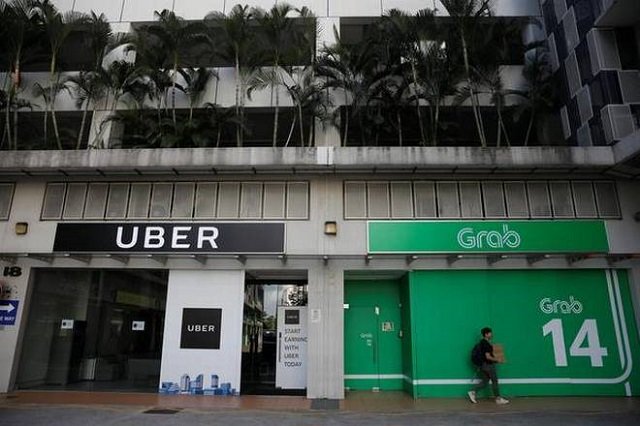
pixel 274 200
pixel 516 197
pixel 53 201
pixel 607 199
pixel 470 199
pixel 573 74
pixel 448 202
pixel 539 203
pixel 6 197
pixel 378 200
pixel 584 104
pixel 96 200
pixel 584 199
pixel 493 197
pixel 566 127
pixel 74 201
pixel 355 200
pixel 297 200
pixel 583 134
pixel 139 200
pixel 424 199
pixel 561 199
pixel 118 200
pixel 183 194
pixel 251 201
pixel 228 200
pixel 207 195
pixel 571 29
pixel 161 201
pixel 401 200
pixel 617 122
pixel 630 86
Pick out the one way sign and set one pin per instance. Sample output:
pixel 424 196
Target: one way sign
pixel 8 312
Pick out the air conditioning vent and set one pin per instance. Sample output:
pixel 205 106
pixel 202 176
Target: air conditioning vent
pixel 573 74
pixel 630 86
pixel 617 122
pixel 584 104
pixel 571 30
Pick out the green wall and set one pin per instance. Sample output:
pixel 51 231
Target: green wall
pixel 448 308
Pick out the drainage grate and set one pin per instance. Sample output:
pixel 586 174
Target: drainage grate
pixel 162 411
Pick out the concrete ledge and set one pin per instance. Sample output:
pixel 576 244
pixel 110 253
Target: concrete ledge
pixel 327 159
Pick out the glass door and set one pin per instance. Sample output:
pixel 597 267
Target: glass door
pixel 274 339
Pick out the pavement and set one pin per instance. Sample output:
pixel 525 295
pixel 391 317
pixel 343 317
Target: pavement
pixel 77 409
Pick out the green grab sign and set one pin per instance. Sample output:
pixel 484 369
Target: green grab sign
pixel 509 236
pixel 564 332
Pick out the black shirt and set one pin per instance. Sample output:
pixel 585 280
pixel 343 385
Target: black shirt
pixel 486 347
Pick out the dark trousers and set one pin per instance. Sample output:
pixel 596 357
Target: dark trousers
pixel 488 372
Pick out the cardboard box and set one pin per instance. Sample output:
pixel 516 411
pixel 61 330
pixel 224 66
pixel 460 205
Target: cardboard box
pixel 498 352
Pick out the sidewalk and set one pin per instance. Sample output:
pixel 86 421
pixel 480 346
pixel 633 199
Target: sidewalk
pixel 361 408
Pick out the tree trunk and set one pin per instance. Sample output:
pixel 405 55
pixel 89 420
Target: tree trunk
pixel 52 99
pixel 312 130
pixel 346 120
pixel 173 93
pixel 293 126
pixel 239 124
pixel 529 128
pixel 7 126
pixel 474 105
pixel 420 121
pixel 436 124
pixel 301 124
pixel 82 124
pixel 399 118
pixel 276 112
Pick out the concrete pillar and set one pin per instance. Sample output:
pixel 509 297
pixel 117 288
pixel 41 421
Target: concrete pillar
pixel 326 325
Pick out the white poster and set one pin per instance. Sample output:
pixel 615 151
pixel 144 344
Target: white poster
pixel 291 352
pixel 201 353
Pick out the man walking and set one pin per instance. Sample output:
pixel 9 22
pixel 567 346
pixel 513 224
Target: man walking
pixel 482 356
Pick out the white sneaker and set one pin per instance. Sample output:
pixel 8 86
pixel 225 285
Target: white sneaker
pixel 501 401
pixel 472 397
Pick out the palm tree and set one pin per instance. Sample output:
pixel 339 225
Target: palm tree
pixel 232 38
pixel 57 28
pixel 352 70
pixel 196 80
pixel 466 15
pixel 87 87
pixel 277 29
pixel 175 36
pixel 19 33
pixel 539 95
pixel 100 37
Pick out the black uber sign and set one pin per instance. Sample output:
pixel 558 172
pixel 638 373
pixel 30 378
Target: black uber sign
pixel 292 316
pixel 201 328
pixel 170 237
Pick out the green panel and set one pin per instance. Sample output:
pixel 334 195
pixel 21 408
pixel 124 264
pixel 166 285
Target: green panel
pixel 373 356
pixel 572 236
pixel 449 308
pixel 407 338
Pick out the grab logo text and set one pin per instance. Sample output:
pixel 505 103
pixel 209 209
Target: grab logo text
pixel 508 238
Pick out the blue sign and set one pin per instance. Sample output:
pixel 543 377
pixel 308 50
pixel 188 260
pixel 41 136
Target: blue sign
pixel 8 312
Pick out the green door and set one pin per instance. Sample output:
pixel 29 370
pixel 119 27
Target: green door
pixel 373 333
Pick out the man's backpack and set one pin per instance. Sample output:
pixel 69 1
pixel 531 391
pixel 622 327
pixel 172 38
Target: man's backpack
pixel 477 357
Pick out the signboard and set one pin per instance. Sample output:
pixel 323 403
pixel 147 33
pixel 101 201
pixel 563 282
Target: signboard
pixel 565 332
pixel 509 236
pixel 8 311
pixel 170 237
pixel 291 352
pixel 202 339
pixel 200 328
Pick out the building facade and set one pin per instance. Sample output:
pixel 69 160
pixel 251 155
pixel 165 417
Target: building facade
pixel 323 269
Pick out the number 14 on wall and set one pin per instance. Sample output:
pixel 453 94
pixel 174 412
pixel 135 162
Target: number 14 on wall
pixel 588 331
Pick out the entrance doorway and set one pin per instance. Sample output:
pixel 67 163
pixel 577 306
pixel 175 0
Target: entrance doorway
pixel 274 337
pixel 373 335
pixel 94 330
